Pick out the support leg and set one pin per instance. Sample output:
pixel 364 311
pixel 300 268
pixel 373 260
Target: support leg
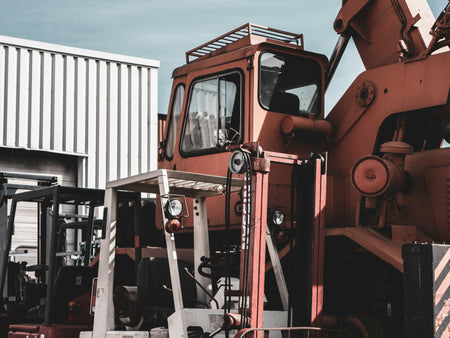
pixel 104 306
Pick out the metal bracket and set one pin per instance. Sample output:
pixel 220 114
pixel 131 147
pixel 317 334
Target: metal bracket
pixel 322 162
pixel 347 13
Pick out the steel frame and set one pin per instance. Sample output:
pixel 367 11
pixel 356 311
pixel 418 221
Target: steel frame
pixel 257 264
pixel 55 196
pixel 7 192
pixel 162 182
pixel 198 186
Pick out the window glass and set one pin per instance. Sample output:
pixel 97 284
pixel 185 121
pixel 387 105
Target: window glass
pixel 289 84
pixel 174 121
pixel 214 114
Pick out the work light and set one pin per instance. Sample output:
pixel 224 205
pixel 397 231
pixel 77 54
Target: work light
pixel 277 217
pixel 174 207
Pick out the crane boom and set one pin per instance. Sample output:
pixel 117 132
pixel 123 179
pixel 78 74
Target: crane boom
pixel 385 31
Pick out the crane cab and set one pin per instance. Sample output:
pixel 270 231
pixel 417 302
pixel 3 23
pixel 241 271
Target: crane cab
pixel 240 88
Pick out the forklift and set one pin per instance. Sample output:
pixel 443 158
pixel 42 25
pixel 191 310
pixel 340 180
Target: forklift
pixel 10 184
pixel 53 297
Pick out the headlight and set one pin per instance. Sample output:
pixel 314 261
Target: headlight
pixel 277 217
pixel 174 207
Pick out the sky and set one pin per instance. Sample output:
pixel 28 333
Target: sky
pixel 164 30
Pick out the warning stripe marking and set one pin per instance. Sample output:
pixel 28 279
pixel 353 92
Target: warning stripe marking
pixel 440 292
pixel 442 264
pixel 442 316
pixel 442 323
pixel 446 333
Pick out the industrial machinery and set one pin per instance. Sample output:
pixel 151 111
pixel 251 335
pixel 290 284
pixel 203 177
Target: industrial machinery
pixel 333 198
pixel 10 183
pixel 51 297
pixel 58 293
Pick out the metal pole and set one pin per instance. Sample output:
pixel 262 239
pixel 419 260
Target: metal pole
pixel 137 232
pixel 89 233
pixel 278 271
pixel 319 244
pixel 42 234
pixel 177 322
pixel 254 274
pixel 336 58
pixel 6 245
pixel 52 258
pixel 201 244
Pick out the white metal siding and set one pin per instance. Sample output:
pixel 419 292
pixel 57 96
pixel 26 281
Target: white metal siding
pixel 33 162
pixel 98 106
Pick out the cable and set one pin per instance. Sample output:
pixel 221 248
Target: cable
pixel 248 196
pixel 247 217
pixel 227 288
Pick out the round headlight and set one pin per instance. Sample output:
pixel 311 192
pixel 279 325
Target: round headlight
pixel 277 217
pixel 174 207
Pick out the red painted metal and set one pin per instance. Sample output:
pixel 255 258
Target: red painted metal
pixel 258 248
pixel 304 127
pixel 387 123
pixel 79 310
pixel 256 255
pixel 318 246
pixel 53 331
pixel 257 265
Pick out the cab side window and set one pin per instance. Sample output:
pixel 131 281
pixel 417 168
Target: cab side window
pixel 290 84
pixel 213 118
pixel 174 121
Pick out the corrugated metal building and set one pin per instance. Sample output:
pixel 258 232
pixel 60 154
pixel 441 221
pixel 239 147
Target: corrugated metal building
pixel 85 116
pixel 99 108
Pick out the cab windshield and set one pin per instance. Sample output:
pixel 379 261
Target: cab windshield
pixel 213 115
pixel 289 84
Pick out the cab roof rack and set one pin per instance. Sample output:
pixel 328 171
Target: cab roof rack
pixel 240 33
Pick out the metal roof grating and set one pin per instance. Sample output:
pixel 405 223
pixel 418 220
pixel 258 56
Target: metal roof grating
pixel 240 33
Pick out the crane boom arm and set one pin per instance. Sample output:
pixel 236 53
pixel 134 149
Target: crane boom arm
pixel 386 30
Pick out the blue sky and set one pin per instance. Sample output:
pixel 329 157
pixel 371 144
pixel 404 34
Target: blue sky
pixel 165 29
